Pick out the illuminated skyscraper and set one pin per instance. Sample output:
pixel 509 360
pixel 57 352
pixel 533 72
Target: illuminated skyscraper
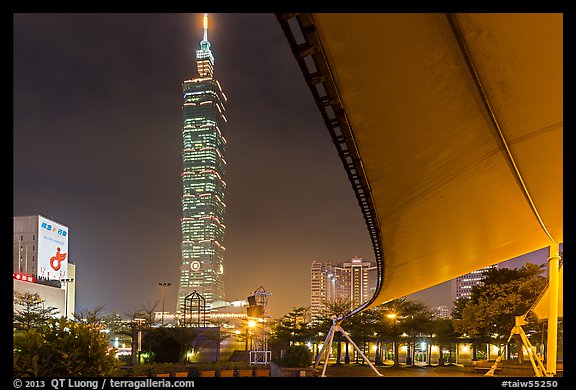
pixel 353 280
pixel 203 183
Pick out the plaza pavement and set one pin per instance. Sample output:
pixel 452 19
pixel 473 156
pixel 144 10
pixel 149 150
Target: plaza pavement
pixel 363 370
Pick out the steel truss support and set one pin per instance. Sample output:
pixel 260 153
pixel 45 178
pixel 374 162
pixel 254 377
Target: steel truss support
pixel 327 347
pixel 537 364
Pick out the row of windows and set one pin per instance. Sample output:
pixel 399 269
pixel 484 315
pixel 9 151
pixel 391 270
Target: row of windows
pixel 199 231
pixel 218 120
pixel 200 212
pixel 214 253
pixel 194 248
pixel 190 97
pixel 200 101
pixel 203 163
pixel 205 87
pixel 33 237
pixel 202 187
pixel 195 210
pixel 198 139
pixel 194 180
pixel 201 112
pixel 203 234
pixel 206 152
pixel 202 220
pixel 195 125
pixel 202 157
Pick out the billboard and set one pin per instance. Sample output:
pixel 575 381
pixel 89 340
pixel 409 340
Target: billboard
pixel 52 249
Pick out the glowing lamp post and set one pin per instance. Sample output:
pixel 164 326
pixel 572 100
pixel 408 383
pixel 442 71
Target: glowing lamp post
pixel 251 325
pixel 163 285
pixel 393 317
pixel 67 280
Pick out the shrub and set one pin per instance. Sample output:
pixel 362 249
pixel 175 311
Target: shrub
pixel 296 356
pixel 63 348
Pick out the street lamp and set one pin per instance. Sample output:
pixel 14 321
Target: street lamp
pixel 393 316
pixel 139 321
pixel 66 281
pixel 251 325
pixel 163 285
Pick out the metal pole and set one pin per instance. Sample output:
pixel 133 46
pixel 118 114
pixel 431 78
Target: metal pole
pixel 163 295
pixel 551 349
pixel 359 351
pixel 163 285
pixel 66 300
pixel 324 346
pixel 328 342
pixel 66 281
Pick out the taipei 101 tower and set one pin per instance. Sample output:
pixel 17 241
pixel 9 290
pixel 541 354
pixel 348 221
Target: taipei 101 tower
pixel 204 168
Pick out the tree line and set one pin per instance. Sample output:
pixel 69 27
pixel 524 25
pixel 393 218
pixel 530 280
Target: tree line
pixel 45 345
pixel 488 316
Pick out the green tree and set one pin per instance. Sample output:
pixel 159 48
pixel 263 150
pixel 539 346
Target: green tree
pixel 142 320
pixel 393 311
pixel 505 293
pixel 362 327
pixel 383 329
pixel 292 327
pixel 63 348
pixel 94 316
pixel 416 321
pixel 30 311
pixel 296 356
pixel 445 335
pixel 337 308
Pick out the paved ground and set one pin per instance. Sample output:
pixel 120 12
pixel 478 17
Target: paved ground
pixel 363 370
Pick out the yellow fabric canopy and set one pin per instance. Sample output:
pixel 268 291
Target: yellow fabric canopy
pixel 451 129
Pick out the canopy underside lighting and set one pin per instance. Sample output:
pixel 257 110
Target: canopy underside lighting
pixel 450 127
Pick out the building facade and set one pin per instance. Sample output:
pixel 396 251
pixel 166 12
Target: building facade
pixel 462 285
pixel 41 262
pixel 353 280
pixel 203 173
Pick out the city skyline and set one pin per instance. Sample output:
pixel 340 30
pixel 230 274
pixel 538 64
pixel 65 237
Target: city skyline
pixel 97 142
pixel 97 146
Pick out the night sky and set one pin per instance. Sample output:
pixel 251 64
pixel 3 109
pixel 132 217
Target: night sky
pixel 97 148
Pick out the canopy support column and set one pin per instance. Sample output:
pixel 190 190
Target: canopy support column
pixel 537 364
pixel 328 344
pixel 552 345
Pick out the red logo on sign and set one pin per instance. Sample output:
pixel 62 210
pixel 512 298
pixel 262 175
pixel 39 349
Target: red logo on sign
pixel 57 259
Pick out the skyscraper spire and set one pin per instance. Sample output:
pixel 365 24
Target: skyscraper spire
pixel 205 27
pixel 204 57
pixel 204 44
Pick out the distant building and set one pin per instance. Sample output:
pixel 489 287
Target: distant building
pixel 354 280
pixel 41 262
pixel 441 312
pixel 462 285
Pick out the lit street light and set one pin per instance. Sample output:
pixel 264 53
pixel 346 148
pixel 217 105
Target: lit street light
pixel 393 316
pixel 163 285
pixel 249 326
pixel 139 321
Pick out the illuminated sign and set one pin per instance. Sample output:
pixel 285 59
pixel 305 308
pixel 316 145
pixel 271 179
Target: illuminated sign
pixel 52 250
pixel 24 277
